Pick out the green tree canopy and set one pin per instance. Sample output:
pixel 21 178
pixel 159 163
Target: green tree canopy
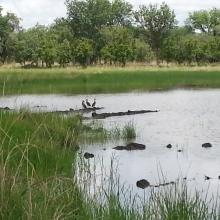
pixel 119 45
pixel 206 21
pixel 9 24
pixel 158 21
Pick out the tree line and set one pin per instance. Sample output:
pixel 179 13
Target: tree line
pixel 112 32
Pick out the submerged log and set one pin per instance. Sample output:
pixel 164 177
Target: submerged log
pixel 131 147
pixel 84 110
pixel 113 114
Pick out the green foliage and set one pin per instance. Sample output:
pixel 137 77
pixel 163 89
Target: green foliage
pixel 119 44
pixel 87 18
pixel 142 51
pixel 64 53
pixel 158 21
pixel 206 21
pixel 82 50
pixel 9 23
pixel 103 31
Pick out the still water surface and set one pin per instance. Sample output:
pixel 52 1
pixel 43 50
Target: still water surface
pixel 187 119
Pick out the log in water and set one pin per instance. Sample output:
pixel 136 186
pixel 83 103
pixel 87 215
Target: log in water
pixel 113 114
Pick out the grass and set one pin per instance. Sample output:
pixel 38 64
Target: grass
pixel 38 151
pixel 105 80
pixel 37 169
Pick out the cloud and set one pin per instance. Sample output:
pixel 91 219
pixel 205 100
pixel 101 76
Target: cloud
pixel 35 11
pixel 45 11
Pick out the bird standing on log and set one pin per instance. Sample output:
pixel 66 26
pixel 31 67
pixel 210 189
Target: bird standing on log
pixel 94 103
pixel 87 103
pixel 84 105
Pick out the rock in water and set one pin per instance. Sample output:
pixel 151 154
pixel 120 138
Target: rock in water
pixel 169 146
pixel 207 145
pixel 142 184
pixel 88 155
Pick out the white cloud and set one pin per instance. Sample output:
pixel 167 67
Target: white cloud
pixel 35 11
pixel 45 11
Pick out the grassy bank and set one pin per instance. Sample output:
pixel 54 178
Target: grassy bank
pixel 37 168
pixel 104 80
pixel 37 157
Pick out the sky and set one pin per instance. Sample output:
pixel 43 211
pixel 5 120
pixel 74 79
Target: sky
pixel 45 11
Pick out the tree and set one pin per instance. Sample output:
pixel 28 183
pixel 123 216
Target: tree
pixel 206 21
pixel 87 18
pixel 9 24
pixel 158 21
pixel 82 50
pixel 119 45
pixel 48 50
pixel 64 55
pixel 29 45
pixel 142 51
pixel 172 48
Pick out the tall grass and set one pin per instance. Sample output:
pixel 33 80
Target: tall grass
pixel 111 199
pixel 96 132
pixel 105 80
pixel 37 170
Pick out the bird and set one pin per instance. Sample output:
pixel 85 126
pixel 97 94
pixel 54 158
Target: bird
pixel 83 104
pixel 94 103
pixel 87 103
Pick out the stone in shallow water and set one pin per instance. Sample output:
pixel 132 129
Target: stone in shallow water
pixel 88 155
pixel 206 145
pixel 169 146
pixel 142 184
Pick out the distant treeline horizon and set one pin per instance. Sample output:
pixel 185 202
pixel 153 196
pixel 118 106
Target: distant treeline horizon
pixel 113 33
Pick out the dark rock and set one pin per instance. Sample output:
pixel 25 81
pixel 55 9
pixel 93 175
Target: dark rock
pixel 207 145
pixel 207 178
pixel 179 151
pixel 169 146
pixel 88 155
pixel 219 177
pixel 131 146
pixel 142 184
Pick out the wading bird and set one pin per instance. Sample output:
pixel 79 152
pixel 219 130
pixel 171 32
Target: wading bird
pixel 83 104
pixel 87 103
pixel 94 103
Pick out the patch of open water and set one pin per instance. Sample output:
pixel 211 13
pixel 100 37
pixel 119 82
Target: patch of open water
pixel 187 119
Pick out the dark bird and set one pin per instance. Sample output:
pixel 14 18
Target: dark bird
pixel 94 103
pixel 87 103
pixel 83 104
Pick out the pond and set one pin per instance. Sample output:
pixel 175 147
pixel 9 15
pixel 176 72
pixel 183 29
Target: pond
pixel 186 119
